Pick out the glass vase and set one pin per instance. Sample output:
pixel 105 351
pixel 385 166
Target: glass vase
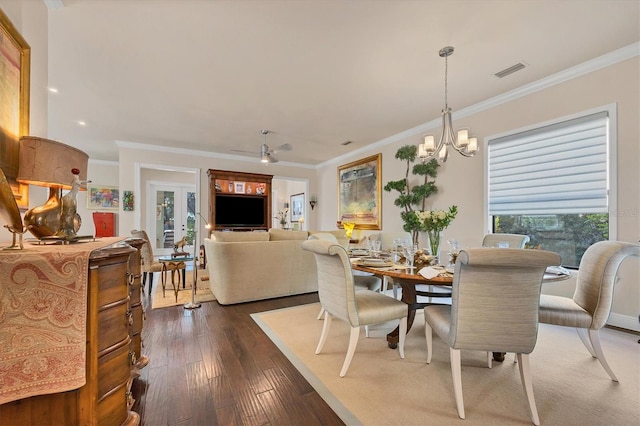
pixel 435 237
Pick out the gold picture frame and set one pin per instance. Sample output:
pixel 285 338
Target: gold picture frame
pixel 360 193
pixel 15 65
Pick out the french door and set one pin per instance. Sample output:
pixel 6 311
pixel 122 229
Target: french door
pixel 173 220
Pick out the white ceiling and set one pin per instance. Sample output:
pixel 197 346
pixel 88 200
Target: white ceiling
pixel 209 75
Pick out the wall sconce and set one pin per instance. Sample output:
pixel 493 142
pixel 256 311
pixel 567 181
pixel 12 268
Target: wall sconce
pixel 313 201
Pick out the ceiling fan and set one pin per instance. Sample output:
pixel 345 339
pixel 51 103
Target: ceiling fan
pixel 267 154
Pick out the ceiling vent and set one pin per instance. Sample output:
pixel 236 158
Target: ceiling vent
pixel 513 68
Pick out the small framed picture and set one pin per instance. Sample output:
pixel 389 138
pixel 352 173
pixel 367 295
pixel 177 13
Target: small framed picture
pixel 103 197
pixel 127 201
pixel 297 207
pixel 239 188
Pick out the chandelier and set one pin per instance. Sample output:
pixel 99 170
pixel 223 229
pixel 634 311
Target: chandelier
pixel 462 143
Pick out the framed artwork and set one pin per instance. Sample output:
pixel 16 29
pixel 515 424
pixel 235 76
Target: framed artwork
pixel 103 197
pixel 239 188
pixel 15 63
pixel 360 193
pixel 297 207
pixel 127 201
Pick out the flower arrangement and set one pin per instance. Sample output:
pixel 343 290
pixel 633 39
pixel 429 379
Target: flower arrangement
pixel 348 228
pixel 282 217
pixel 433 222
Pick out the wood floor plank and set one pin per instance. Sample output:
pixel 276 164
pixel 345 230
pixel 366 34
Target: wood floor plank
pixel 214 366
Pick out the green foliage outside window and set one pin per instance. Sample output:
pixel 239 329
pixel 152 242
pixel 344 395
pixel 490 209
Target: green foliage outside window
pixel 566 234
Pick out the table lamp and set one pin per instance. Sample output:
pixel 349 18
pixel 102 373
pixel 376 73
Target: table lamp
pixel 49 163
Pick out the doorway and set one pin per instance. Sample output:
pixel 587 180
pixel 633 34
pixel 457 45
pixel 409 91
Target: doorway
pixel 173 218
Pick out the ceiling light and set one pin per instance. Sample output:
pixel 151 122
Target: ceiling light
pixel 462 143
pixel 82 123
pixel 53 90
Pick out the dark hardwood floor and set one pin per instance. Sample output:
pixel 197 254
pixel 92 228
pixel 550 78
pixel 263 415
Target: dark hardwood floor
pixel 214 366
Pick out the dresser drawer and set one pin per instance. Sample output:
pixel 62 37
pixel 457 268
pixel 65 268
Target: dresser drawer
pixel 113 325
pixel 114 369
pixel 112 278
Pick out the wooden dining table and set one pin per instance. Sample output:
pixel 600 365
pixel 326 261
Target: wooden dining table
pixel 408 279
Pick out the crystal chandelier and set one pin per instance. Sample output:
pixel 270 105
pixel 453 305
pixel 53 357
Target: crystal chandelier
pixel 462 143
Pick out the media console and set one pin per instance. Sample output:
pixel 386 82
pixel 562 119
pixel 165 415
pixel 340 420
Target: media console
pixel 239 201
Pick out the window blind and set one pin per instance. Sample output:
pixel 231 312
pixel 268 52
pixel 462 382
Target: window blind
pixel 556 169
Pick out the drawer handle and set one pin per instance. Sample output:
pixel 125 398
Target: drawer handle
pixel 130 401
pixel 132 356
pixel 129 316
pixel 130 278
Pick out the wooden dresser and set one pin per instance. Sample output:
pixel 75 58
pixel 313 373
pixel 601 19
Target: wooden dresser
pixel 105 399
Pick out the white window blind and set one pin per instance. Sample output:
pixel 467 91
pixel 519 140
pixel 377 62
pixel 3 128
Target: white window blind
pixel 556 169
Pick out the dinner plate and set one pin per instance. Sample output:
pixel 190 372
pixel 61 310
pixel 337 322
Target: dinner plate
pixel 360 252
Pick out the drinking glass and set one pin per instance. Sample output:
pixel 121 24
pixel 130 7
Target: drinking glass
pixel 375 248
pixel 410 250
pixel 454 249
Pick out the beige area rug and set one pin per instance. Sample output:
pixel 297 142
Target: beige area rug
pixel 203 291
pixel 570 387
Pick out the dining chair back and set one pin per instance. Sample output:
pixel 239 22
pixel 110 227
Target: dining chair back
pixel 513 240
pixel 339 298
pixel 494 308
pixel 590 306
pixel 147 261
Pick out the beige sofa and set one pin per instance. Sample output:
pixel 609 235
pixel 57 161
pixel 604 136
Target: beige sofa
pixel 247 266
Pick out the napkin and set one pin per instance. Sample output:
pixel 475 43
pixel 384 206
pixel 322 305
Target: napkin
pixel 429 272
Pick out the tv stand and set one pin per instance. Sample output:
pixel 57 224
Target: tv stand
pixel 240 184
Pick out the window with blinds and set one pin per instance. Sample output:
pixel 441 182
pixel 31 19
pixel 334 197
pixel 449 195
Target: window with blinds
pixel 553 184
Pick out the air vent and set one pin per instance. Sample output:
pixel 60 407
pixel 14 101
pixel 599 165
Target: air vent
pixel 513 68
pixel 345 143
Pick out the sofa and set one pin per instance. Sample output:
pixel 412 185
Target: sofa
pixel 248 266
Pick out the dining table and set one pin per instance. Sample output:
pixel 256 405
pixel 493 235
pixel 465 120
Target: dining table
pixel 409 278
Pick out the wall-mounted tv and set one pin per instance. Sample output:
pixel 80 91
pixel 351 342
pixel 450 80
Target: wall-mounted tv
pixel 240 211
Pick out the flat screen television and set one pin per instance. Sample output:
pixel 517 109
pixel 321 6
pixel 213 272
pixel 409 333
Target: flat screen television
pixel 241 211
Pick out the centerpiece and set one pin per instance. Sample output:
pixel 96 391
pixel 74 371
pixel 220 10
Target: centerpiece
pixel 282 217
pixel 433 222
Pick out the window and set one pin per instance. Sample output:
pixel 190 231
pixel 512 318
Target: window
pixel 553 183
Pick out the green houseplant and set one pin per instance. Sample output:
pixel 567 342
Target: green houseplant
pixel 413 196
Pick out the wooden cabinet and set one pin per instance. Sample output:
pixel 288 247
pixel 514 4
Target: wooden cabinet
pixel 239 201
pixel 105 398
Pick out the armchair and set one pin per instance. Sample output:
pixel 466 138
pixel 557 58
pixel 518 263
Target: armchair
pixel 148 264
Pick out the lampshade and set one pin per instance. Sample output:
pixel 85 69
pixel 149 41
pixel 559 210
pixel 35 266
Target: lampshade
pixel 45 162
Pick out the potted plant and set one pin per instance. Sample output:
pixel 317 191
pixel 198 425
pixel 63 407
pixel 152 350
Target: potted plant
pixel 412 196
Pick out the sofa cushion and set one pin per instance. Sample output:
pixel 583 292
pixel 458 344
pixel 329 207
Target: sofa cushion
pixel 234 237
pixel 282 235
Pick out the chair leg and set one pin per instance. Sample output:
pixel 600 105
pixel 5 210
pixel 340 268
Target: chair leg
pixel 456 375
pixel 353 342
pixel 325 331
pixel 428 334
pixel 594 337
pixel 490 359
pixel 150 282
pixel 586 341
pixel 395 291
pixel 525 376
pixel 320 313
pixel 403 334
pixel 366 331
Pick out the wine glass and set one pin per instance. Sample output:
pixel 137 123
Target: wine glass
pixel 397 248
pixel 454 249
pixel 410 250
pixel 375 248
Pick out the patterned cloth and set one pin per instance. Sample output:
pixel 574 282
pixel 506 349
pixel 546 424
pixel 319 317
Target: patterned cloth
pixel 43 317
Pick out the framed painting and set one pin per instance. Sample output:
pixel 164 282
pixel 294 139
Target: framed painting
pixel 297 207
pixel 239 187
pixel 360 193
pixel 103 197
pixel 15 63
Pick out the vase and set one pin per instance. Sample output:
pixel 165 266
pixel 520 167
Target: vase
pixel 435 237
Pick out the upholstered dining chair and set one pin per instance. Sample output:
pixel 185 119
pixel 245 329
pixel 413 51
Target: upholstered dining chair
pixel 340 299
pixel 148 264
pixel 590 306
pixel 361 280
pixel 514 240
pixel 494 308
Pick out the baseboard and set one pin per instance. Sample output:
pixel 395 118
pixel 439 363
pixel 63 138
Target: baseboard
pixel 624 321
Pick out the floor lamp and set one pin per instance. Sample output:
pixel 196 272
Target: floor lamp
pixel 193 304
